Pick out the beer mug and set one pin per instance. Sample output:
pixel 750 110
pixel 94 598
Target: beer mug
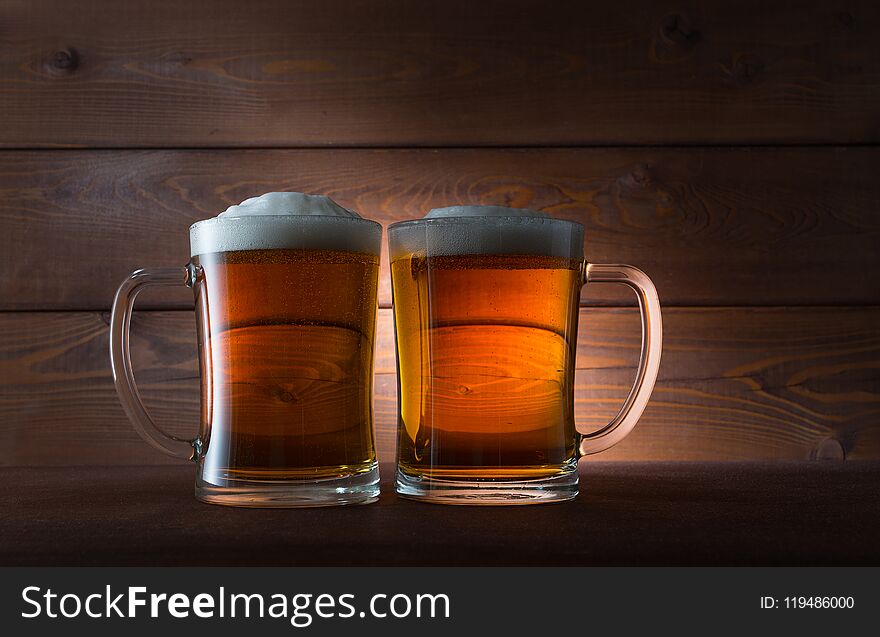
pixel 285 296
pixel 486 304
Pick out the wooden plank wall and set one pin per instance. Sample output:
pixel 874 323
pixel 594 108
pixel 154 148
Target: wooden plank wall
pixel 730 151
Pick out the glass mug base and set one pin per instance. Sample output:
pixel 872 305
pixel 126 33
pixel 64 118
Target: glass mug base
pixel 359 488
pixel 489 491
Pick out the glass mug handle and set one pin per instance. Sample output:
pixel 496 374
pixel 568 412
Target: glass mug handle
pixel 120 356
pixel 649 360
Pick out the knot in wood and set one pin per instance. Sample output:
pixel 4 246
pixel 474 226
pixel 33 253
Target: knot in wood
pixel 745 68
pixel 64 60
pixel 677 30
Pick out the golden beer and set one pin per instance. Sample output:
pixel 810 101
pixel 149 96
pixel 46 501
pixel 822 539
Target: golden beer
pixel 287 363
pixel 285 293
pixel 486 349
pixel 486 305
pixel 486 313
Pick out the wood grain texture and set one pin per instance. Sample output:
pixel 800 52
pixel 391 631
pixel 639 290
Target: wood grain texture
pixel 711 226
pixel 735 383
pixel 400 73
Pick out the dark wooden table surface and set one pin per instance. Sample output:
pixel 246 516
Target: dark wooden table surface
pixel 627 513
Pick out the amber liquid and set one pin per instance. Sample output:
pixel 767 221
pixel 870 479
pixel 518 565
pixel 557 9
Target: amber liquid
pixel 486 348
pixel 286 355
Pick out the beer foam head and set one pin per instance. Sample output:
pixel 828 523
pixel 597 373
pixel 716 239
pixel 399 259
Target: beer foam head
pixel 286 220
pixel 470 230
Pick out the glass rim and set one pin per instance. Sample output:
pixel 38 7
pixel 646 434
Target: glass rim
pixel 466 220
pixel 218 219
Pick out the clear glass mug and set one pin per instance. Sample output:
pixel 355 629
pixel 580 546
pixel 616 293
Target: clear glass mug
pixel 286 320
pixel 486 304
